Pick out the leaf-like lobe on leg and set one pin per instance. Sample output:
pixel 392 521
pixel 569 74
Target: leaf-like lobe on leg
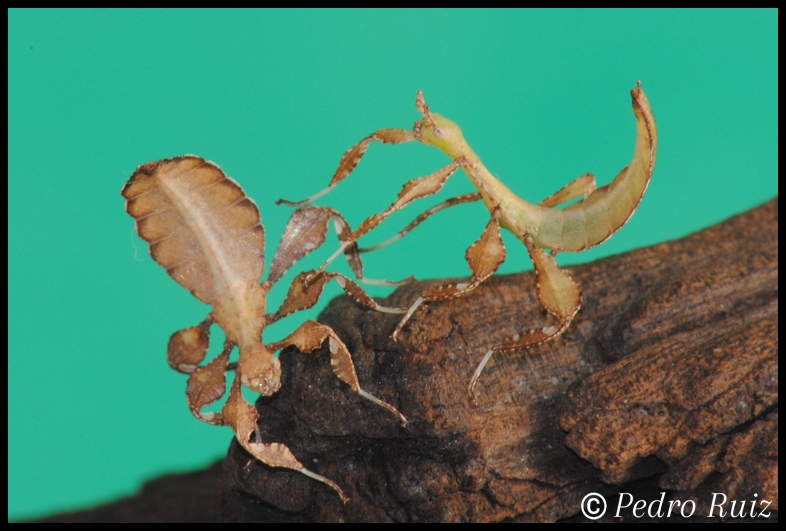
pixel 558 293
pixel 206 385
pixel 304 293
pixel 412 190
pixel 188 347
pixel 305 231
pixel 484 258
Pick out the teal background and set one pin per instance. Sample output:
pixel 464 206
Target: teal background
pixel 275 98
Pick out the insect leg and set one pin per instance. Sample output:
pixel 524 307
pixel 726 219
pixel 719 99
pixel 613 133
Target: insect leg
pixel 582 186
pixel 484 257
pixel 307 287
pixel 558 293
pixel 305 231
pixel 412 190
pixel 311 335
pixel 351 158
pixel 206 385
pixel 243 417
pixel 466 198
pixel 188 347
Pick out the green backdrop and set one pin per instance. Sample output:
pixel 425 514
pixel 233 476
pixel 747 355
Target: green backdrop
pixel 275 98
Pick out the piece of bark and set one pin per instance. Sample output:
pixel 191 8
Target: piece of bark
pixel 667 381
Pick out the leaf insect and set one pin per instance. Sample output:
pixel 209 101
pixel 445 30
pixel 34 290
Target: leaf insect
pixel 207 233
pixel 590 221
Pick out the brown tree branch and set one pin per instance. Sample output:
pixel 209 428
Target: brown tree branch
pixel 666 381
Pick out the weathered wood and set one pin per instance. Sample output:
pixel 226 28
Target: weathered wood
pixel 666 381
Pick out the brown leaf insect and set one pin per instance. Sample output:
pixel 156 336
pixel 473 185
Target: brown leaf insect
pixel 591 220
pixel 207 234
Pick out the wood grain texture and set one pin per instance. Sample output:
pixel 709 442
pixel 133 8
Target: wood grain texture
pixel 666 381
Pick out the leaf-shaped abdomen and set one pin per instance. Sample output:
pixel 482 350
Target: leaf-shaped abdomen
pixel 201 226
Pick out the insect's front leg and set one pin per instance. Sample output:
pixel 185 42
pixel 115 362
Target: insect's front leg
pixel 206 384
pixel 307 287
pixel 411 191
pixel 306 230
pixel 351 158
pixel 453 201
pixel 558 293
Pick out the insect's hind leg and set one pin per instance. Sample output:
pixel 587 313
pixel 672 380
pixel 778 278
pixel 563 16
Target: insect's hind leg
pixel 580 187
pixel 484 258
pixel 558 293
